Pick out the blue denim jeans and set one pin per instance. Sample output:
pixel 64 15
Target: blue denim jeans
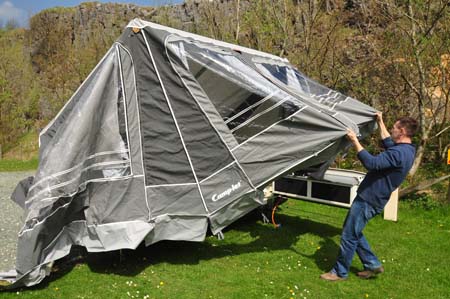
pixel 353 240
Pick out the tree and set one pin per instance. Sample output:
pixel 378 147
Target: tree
pixel 419 44
pixel 19 93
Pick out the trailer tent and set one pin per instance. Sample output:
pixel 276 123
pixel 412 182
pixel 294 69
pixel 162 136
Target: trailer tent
pixel 170 134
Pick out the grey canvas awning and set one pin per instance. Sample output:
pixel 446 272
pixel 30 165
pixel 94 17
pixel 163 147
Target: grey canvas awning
pixel 171 134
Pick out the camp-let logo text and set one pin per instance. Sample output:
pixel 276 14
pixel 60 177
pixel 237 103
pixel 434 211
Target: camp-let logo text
pixel 227 192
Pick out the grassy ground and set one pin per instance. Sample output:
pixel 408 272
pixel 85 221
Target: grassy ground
pixel 22 156
pixel 255 260
pixel 18 165
pixel 25 149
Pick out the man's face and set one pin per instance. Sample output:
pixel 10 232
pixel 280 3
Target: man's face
pixel 397 132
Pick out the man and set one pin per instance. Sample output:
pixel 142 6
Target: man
pixel 386 172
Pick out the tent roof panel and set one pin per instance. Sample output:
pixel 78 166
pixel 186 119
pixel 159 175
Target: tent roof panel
pixel 138 23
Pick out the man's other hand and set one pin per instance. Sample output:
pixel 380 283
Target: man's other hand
pixel 351 135
pixel 354 140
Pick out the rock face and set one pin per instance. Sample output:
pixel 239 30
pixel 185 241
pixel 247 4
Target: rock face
pixel 56 29
pixel 79 27
pixel 82 23
pixel 65 43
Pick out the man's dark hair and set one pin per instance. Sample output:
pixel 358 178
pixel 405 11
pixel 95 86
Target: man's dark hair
pixel 409 124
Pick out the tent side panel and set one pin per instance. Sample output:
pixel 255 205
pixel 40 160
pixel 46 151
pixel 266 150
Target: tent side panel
pixel 33 243
pixel 117 201
pixel 90 144
pixel 84 176
pixel 235 210
pixel 302 137
pixel 178 228
pixel 207 152
pixel 224 187
pixel 175 200
pixel 165 161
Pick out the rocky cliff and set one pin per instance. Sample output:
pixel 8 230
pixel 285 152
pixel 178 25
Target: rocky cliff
pixel 102 23
pixel 66 43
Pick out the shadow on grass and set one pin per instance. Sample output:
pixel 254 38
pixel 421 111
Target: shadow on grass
pixel 266 239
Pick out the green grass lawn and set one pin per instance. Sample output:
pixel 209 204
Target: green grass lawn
pixel 255 260
pixel 18 165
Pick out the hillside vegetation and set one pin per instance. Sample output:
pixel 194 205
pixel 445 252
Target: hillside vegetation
pixel 393 55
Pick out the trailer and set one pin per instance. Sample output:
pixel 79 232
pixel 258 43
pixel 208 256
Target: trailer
pixel 337 188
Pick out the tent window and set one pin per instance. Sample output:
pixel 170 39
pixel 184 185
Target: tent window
pixel 295 80
pixel 91 144
pixel 260 121
pixel 286 75
pixel 245 100
pixel 234 103
pixel 121 111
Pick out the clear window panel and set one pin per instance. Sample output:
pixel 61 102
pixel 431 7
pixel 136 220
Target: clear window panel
pixel 247 102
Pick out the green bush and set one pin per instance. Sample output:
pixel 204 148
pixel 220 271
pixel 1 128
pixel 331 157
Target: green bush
pixel 423 201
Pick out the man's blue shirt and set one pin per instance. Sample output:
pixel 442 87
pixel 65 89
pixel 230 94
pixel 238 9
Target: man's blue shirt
pixel 386 171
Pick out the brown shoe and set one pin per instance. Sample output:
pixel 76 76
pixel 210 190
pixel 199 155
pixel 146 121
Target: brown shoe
pixel 370 273
pixel 330 276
